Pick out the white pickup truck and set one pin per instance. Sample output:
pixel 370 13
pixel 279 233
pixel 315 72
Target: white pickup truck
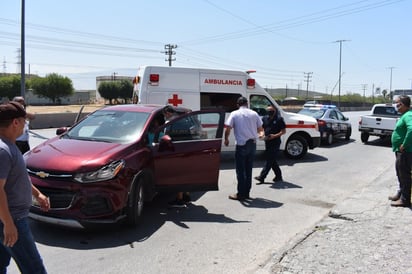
pixel 380 122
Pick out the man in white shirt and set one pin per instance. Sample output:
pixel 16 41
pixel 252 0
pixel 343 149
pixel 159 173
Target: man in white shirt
pixel 247 127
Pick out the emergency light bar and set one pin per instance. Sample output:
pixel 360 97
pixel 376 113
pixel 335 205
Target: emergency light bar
pixel 251 83
pixel 154 79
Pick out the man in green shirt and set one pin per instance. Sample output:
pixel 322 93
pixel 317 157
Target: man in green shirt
pixel 402 146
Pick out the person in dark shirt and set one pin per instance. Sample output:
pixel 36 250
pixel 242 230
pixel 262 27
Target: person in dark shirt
pixel 274 127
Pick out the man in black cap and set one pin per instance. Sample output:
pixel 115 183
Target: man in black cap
pixel 16 192
pixel 275 127
pixel 247 127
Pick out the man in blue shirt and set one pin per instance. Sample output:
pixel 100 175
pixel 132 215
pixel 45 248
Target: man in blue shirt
pixel 247 127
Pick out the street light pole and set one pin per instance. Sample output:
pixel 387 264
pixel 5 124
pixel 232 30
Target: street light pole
pixel 390 81
pixel 340 66
pixel 22 61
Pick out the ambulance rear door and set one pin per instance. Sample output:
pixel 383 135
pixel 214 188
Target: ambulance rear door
pixel 178 87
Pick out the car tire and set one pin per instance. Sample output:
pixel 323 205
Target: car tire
pixel 135 204
pixel 296 147
pixel 329 139
pixel 364 137
pixel 348 134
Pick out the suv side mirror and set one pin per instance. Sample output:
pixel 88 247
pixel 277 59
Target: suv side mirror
pixel 61 130
pixel 165 143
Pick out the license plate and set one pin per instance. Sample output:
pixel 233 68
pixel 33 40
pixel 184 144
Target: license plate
pixel 377 131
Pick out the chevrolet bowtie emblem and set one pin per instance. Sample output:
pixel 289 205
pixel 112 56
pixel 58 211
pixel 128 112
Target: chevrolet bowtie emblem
pixel 42 174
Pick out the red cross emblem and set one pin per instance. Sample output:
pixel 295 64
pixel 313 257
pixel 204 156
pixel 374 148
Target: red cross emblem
pixel 175 101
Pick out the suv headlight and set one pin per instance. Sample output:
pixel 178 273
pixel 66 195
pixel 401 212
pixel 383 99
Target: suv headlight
pixel 105 173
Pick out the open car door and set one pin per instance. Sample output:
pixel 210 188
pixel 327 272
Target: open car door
pixel 187 151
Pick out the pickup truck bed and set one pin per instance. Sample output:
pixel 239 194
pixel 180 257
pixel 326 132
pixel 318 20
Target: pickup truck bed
pixel 381 122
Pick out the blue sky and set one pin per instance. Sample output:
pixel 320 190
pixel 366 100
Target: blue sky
pixel 281 40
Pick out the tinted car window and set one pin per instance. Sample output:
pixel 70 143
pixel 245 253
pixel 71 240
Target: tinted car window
pixel 341 117
pixel 186 128
pixel 333 115
pixel 227 101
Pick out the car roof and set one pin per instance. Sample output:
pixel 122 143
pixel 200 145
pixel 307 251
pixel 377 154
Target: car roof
pixel 148 108
pixel 319 106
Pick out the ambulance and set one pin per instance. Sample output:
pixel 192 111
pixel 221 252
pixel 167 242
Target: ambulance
pixel 197 89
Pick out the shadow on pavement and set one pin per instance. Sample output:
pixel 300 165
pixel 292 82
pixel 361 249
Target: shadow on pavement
pixel 156 214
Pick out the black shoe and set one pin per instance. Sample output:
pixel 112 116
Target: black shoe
pixel 236 197
pixel 177 203
pixel 260 179
pixel 277 179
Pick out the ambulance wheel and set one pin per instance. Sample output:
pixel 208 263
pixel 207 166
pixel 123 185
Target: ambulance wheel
pixel 135 204
pixel 296 147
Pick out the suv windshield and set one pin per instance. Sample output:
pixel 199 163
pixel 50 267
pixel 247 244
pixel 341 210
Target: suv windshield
pixel 110 126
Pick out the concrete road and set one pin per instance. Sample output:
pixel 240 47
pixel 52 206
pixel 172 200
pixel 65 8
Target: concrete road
pixel 215 234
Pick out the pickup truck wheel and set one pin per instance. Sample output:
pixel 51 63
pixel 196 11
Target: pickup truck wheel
pixel 296 147
pixel 135 204
pixel 364 137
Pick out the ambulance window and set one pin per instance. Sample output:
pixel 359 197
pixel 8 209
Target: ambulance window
pixel 259 103
pixel 227 101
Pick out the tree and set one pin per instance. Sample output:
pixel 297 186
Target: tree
pixel 53 86
pixel 10 86
pixel 126 90
pixel 109 90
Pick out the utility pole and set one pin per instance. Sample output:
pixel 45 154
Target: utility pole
pixel 169 52
pixel 23 73
pixel 308 75
pixel 340 66
pixel 286 91
pixel 364 86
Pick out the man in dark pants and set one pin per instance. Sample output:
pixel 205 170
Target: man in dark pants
pixel 247 127
pixel 402 146
pixel 274 127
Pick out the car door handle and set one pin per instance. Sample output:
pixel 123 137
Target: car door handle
pixel 212 150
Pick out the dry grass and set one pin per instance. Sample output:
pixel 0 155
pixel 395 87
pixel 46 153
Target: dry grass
pixel 62 109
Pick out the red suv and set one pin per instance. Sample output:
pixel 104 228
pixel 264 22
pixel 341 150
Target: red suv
pixel 105 167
